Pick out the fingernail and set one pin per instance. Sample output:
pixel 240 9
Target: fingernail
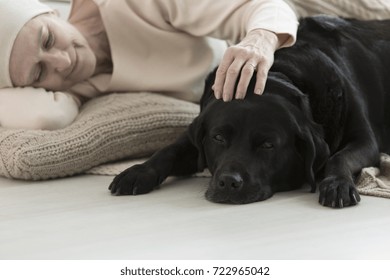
pixel 226 98
pixel 240 95
pixel 217 95
pixel 258 92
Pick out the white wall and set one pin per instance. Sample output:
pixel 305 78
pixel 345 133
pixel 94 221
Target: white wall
pixel 62 6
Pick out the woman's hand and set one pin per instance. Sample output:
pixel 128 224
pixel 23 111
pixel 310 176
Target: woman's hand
pixel 254 52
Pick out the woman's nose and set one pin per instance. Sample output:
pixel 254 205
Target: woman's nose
pixel 58 59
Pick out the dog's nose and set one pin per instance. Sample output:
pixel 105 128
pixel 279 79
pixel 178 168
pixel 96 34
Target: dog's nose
pixel 230 180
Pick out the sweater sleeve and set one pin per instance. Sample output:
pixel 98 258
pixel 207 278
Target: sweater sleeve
pixel 231 20
pixel 36 108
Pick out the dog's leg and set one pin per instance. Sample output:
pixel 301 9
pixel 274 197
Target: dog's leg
pixel 177 159
pixel 337 189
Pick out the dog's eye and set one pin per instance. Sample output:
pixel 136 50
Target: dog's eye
pixel 266 146
pixel 219 138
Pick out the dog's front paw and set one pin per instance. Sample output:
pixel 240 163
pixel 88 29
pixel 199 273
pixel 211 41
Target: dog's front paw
pixel 138 179
pixel 338 192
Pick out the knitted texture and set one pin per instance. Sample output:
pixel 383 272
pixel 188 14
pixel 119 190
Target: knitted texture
pixel 360 9
pixel 108 128
pixel 375 181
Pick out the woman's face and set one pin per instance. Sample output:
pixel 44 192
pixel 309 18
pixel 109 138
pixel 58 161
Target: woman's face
pixel 50 53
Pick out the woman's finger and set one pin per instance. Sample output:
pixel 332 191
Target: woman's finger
pixel 220 76
pixel 231 78
pixel 262 73
pixel 246 75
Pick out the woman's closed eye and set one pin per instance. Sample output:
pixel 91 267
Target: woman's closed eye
pixel 48 42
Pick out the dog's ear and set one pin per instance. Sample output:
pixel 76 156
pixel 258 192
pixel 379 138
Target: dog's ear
pixel 196 136
pixel 310 141
pixel 314 150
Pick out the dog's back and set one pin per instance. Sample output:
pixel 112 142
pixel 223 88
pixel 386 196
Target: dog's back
pixel 342 64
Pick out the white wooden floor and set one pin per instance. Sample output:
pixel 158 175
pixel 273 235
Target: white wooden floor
pixel 77 218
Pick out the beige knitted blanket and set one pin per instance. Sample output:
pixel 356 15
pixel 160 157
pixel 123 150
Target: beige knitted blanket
pixel 372 181
pixel 375 181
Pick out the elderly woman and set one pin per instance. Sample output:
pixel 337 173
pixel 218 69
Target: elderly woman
pixel 49 66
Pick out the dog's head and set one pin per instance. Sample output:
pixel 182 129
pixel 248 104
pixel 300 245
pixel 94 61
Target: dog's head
pixel 258 146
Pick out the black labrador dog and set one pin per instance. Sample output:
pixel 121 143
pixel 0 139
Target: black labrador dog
pixel 324 115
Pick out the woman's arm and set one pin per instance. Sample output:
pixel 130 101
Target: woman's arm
pixel 256 28
pixel 36 108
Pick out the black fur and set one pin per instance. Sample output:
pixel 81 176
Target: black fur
pixel 324 116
